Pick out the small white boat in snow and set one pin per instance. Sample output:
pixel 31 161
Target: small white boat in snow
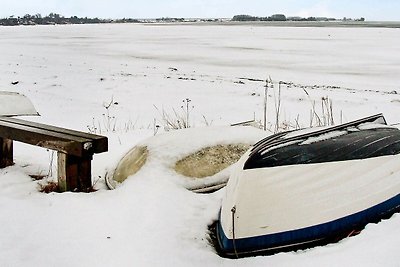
pixel 15 104
pixel 302 188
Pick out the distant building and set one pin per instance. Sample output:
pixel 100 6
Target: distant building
pixel 294 18
pixel 321 19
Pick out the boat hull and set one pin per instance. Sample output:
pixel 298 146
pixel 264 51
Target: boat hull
pixel 281 208
pixel 299 188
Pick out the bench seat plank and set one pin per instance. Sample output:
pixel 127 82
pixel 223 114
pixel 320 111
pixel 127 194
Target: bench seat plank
pixel 99 143
pixel 63 140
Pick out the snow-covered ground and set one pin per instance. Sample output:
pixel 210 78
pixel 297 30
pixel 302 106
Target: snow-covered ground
pixel 71 73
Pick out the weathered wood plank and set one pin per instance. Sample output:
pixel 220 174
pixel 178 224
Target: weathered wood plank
pixel 57 141
pixel 74 173
pixel 6 152
pixel 99 143
pixel 62 171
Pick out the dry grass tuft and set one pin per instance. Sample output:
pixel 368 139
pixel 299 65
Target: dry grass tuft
pixel 50 187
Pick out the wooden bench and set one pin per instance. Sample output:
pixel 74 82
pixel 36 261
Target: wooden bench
pixel 74 149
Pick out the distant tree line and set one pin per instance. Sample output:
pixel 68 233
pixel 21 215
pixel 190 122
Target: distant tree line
pixel 276 17
pixel 54 18
pixel 281 17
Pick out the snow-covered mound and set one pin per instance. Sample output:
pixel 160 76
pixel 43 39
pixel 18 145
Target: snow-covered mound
pixel 199 157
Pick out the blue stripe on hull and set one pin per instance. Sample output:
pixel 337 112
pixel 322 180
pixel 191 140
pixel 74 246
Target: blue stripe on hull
pixel 309 234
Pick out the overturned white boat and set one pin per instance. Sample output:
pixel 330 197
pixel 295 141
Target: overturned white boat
pixel 302 188
pixel 15 104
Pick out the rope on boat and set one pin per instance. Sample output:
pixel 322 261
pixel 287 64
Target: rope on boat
pixel 233 210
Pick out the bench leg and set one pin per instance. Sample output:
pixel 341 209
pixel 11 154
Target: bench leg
pixel 74 173
pixel 6 152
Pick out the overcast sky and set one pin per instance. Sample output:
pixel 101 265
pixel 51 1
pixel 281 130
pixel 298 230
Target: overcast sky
pixel 370 9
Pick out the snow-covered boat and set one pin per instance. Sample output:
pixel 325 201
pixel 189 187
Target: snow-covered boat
pixel 301 188
pixel 16 104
